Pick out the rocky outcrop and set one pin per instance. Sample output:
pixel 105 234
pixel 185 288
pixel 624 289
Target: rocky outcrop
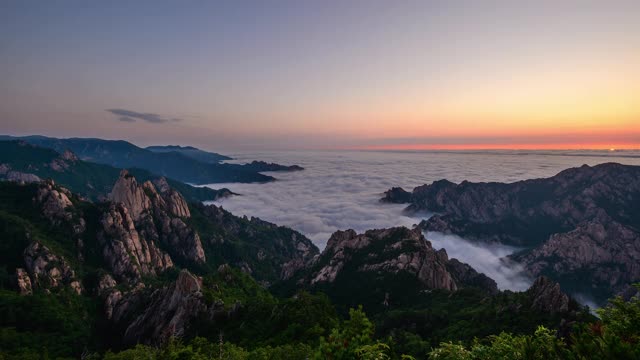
pixel 601 247
pixel 48 270
pixel 165 313
pixel 156 217
pixel 467 276
pixel 390 251
pixel 23 282
pixel 548 297
pixel 128 255
pixel 8 174
pixel 127 191
pixel 583 221
pixel 21 177
pixel 396 195
pixel 55 202
pixel 65 161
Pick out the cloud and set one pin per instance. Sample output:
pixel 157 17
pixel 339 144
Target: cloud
pixel 489 259
pixel 126 119
pixel 339 190
pixel 133 116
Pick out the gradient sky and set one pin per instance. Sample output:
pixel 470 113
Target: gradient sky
pixel 324 74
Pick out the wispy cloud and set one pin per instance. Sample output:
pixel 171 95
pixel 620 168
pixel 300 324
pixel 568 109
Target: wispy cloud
pixel 133 116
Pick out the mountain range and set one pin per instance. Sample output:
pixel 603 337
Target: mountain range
pixel 187 165
pixel 95 259
pixel 580 227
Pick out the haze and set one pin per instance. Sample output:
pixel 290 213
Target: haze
pixel 324 75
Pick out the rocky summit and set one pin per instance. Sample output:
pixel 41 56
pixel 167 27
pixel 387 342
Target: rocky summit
pixel 581 227
pixel 393 261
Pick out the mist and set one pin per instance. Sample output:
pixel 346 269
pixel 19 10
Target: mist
pixel 489 259
pixel 340 190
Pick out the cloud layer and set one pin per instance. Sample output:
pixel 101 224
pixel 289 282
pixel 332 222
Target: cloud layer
pixel 133 116
pixel 340 190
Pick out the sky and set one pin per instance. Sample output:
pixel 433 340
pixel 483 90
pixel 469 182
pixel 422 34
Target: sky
pixel 324 74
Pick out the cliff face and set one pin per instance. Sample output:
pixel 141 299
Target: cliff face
pixel 390 251
pixel 166 312
pixel 158 216
pixel 574 225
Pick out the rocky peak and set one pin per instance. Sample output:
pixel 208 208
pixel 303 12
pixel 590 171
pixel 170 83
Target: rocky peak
pixel 579 224
pixel 68 155
pixel 383 251
pixel 547 296
pixel 467 276
pixel 49 270
pixel 128 255
pixel 396 195
pixel 154 217
pixel 55 202
pixel 175 203
pixel 127 191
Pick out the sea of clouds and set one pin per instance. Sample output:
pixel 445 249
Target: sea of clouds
pixel 340 190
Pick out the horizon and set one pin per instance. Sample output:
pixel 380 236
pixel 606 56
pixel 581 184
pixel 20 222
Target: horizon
pixel 399 148
pixel 356 75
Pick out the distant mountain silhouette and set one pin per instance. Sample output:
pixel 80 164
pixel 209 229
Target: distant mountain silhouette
pixel 172 164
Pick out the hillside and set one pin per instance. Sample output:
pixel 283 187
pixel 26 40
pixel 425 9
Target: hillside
pixel 124 155
pixel 190 151
pixel 580 227
pixel 20 161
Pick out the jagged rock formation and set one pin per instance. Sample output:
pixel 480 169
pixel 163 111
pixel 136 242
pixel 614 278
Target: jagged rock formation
pixel 602 247
pixel 464 274
pixel 547 296
pixel 55 202
pixel 127 191
pixel 396 195
pixel 393 251
pixel 581 226
pixel 128 255
pixel 164 313
pixel 48 270
pixel 158 216
pixel 24 282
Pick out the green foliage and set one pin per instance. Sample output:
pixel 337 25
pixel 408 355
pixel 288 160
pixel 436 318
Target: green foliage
pixel 91 180
pixel 615 337
pixel 263 246
pixel 351 336
pixel 623 318
pixel 58 324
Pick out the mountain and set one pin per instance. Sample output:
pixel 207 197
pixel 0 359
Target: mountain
pixel 386 266
pixel 21 161
pixel 580 227
pixel 58 243
pixel 172 164
pixel 146 266
pixel 192 152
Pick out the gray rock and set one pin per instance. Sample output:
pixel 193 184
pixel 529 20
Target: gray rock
pixel 24 282
pixel 49 270
pixel 547 296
